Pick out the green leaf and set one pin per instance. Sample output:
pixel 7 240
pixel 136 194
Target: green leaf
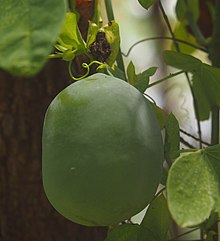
pixel 206 80
pixel 28 31
pixel 206 88
pixel 160 114
pixel 157 218
pixel 213 157
pixel 125 232
pixel 92 32
pixel 68 55
pixel 172 138
pixel 146 234
pixel 181 61
pixel 116 72
pixel 142 79
pixel 182 10
pixel 193 187
pixel 113 37
pixel 70 36
pixel 147 3
pixel 181 33
pixel 130 232
pixel 139 81
pixel 131 73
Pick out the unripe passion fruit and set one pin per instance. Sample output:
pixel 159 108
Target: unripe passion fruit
pixel 102 151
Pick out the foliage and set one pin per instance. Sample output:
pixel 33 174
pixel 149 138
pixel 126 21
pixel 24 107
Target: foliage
pixel 26 39
pixel 190 194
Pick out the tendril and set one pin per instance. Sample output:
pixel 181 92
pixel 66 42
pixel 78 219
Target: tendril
pixel 87 67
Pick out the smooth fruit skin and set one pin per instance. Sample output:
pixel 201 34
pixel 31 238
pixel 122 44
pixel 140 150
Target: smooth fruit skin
pixel 102 151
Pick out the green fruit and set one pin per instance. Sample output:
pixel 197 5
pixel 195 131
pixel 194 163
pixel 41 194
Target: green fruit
pixel 102 151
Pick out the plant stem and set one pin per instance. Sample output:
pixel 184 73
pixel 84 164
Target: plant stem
pixel 214 55
pixel 165 78
pixel 110 14
pixel 215 126
pixel 183 234
pixel 187 150
pixel 195 138
pixel 176 45
pixel 186 143
pixel 167 38
pixel 169 26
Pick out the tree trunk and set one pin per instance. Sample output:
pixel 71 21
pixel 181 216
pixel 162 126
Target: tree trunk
pixel 25 213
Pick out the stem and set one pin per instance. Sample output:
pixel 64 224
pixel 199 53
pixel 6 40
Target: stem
pixel 110 14
pixel 169 26
pixel 165 78
pixel 167 38
pixel 187 150
pixel 196 111
pixel 214 55
pixel 176 45
pixel 109 10
pixel 183 234
pixel 215 126
pixel 186 143
pixel 195 138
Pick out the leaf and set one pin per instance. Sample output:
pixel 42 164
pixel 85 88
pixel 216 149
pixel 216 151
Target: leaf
pixel 113 37
pixel 142 79
pixel 181 33
pixel 92 32
pixel 139 81
pixel 125 232
pixel 172 138
pixel 68 55
pixel 131 73
pixel 160 114
pixel 206 88
pixel 27 32
pixel 182 10
pixel 213 157
pixel 116 72
pixel 145 234
pixel 206 80
pixel 147 3
pixel 130 232
pixel 193 187
pixel 70 36
pixel 157 218
pixel 181 61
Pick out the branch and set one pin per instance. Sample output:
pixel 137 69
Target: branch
pixel 183 234
pixel 165 78
pixel 195 138
pixel 186 143
pixel 162 38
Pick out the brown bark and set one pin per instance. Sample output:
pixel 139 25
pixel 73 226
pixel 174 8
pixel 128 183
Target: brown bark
pixel 25 213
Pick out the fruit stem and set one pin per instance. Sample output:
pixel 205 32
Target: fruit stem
pixel 110 14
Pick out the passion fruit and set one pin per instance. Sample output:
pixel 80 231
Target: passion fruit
pixel 102 151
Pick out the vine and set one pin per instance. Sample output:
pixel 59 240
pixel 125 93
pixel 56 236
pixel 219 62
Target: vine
pixel 86 67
